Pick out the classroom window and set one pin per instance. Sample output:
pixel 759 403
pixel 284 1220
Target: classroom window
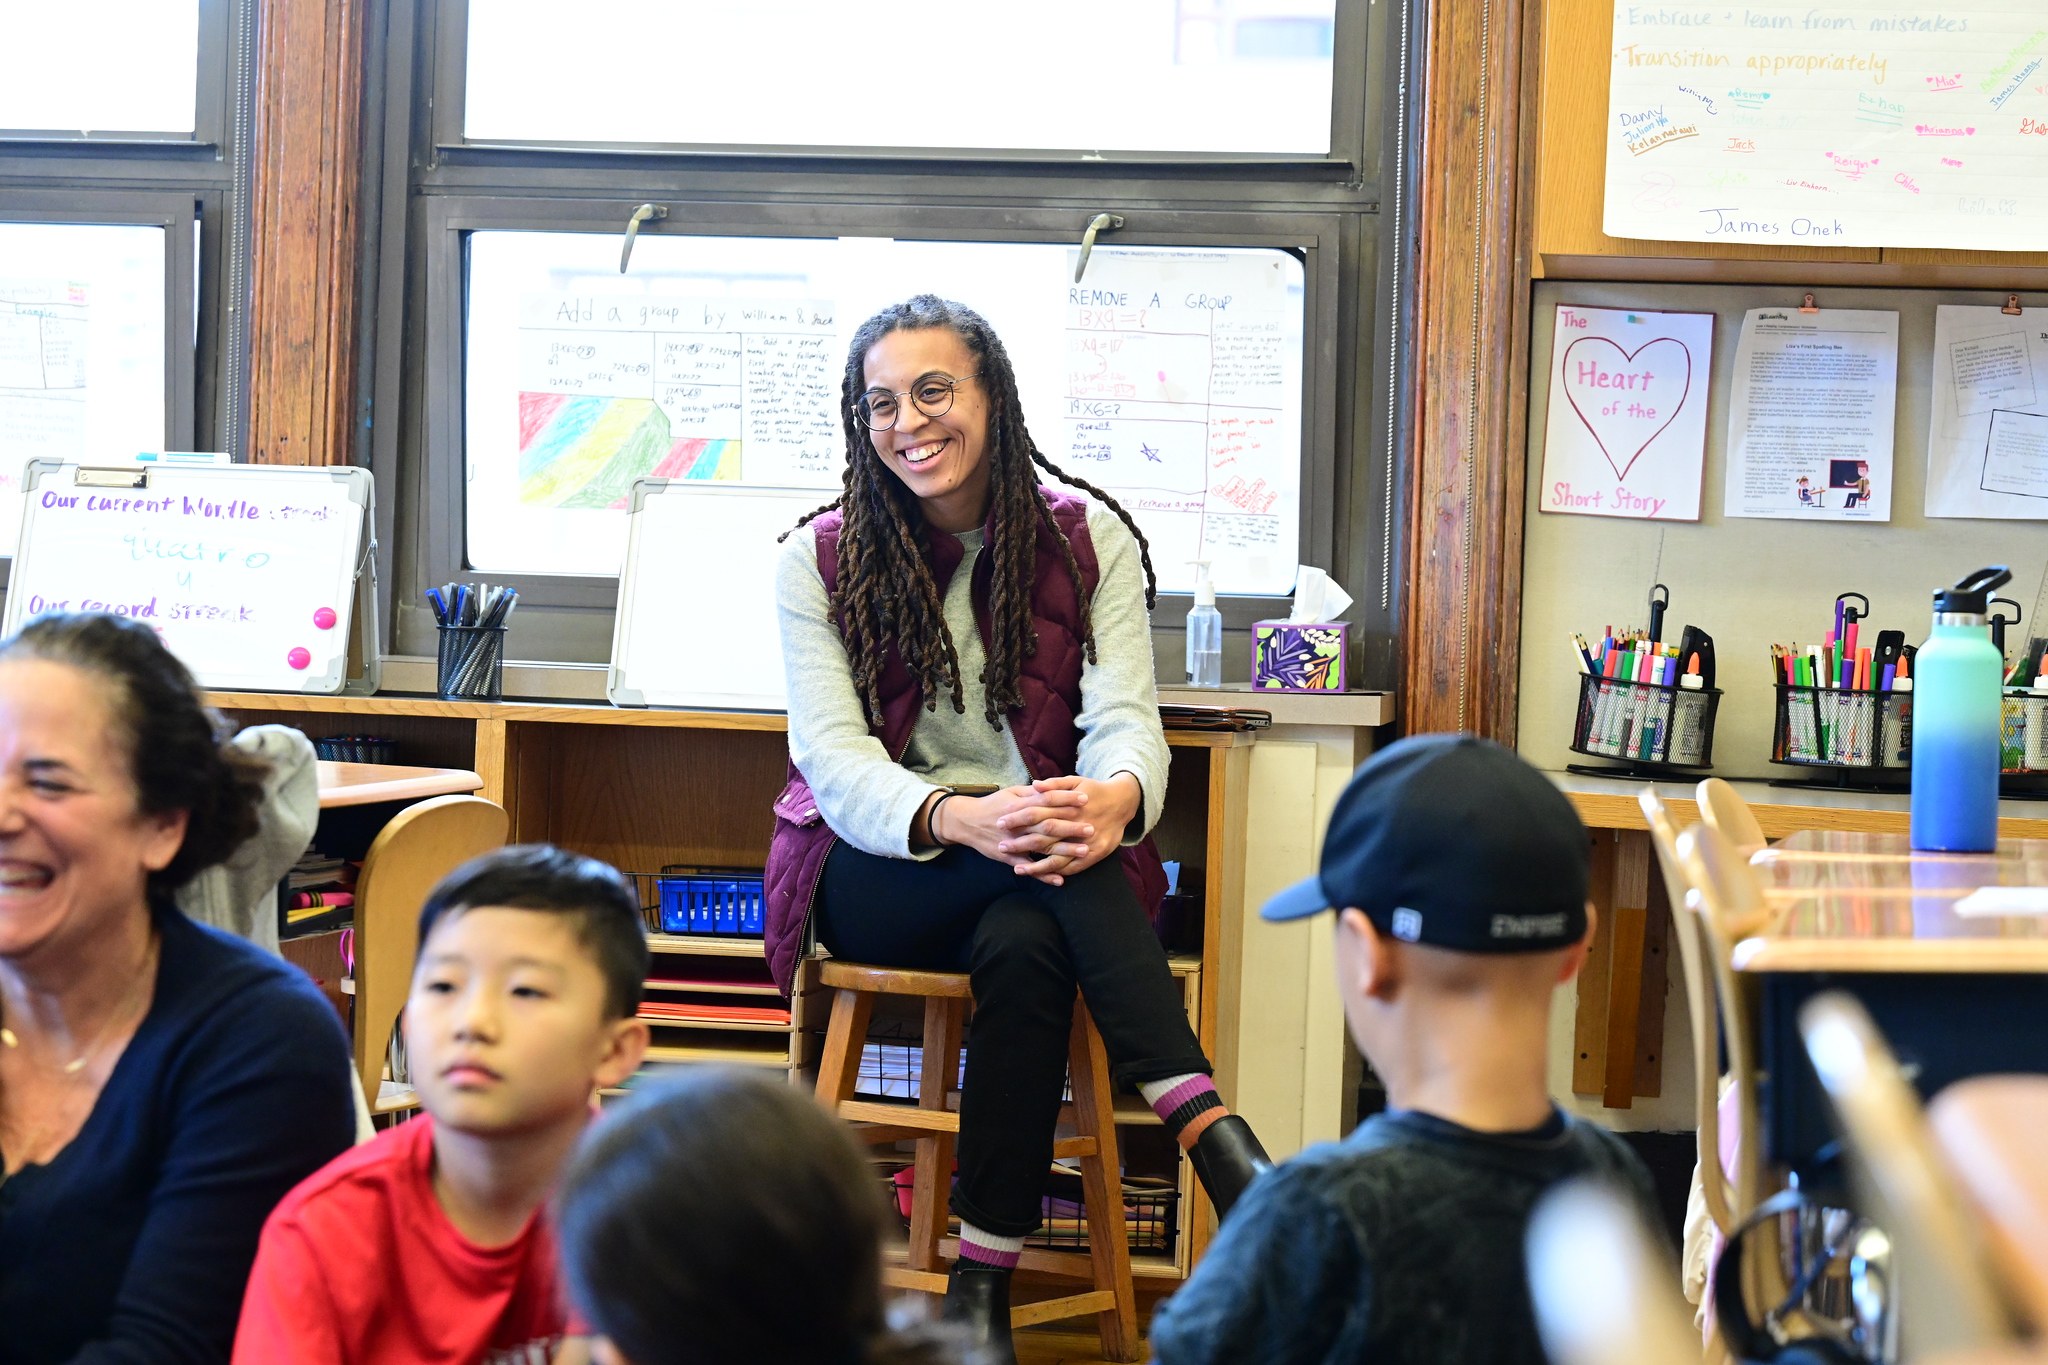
pixel 1186 77
pixel 1170 377
pixel 111 67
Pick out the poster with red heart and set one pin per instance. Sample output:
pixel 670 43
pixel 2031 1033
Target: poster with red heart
pixel 1626 432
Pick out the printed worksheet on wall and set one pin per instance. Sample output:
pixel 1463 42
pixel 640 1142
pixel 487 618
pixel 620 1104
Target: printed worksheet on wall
pixel 1881 124
pixel 1810 418
pixel 1987 438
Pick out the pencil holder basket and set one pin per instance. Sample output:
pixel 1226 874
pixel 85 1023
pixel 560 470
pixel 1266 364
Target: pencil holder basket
pixel 356 749
pixel 1842 728
pixel 2023 732
pixel 1651 727
pixel 472 663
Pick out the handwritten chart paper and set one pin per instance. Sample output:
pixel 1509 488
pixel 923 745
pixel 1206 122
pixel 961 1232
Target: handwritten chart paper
pixel 613 388
pixel 1987 438
pixel 1626 434
pixel 1810 420
pixel 1183 400
pixel 1873 125
pixel 43 331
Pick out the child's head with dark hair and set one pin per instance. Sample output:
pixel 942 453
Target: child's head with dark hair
pixel 723 1218
pixel 593 895
pixel 523 1003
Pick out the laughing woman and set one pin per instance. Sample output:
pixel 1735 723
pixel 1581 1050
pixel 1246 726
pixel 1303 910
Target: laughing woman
pixel 162 1084
pixel 950 628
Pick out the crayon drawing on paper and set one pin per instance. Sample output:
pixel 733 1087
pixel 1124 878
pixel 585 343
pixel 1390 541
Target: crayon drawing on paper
pixel 586 451
pixel 1627 425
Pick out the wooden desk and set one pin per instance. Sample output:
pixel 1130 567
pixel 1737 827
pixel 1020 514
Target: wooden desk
pixel 363 784
pixel 1618 1032
pixel 1849 901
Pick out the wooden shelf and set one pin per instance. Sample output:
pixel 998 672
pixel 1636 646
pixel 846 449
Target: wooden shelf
pixel 705 945
pixel 720 1025
pixel 772 1054
pixel 657 983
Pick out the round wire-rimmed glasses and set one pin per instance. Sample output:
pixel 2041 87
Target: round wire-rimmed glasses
pixel 932 394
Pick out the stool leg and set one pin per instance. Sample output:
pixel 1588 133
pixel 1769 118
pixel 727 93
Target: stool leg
pixel 845 1036
pixel 1109 1241
pixel 932 1190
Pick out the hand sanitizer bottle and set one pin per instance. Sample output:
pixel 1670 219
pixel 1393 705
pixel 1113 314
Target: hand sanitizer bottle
pixel 1956 704
pixel 1205 632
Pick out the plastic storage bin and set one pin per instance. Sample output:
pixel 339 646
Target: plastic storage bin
pixel 727 902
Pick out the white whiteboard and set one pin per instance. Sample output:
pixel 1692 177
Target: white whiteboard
pixel 696 623
pixel 1169 377
pixel 1878 124
pixel 249 573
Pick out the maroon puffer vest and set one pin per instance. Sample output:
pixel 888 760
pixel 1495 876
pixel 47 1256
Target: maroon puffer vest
pixel 1044 728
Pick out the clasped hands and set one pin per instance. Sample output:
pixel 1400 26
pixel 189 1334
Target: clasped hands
pixel 1054 827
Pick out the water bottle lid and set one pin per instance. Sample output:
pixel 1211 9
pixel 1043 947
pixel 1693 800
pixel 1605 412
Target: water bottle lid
pixel 1972 596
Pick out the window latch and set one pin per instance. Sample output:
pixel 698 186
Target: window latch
pixel 640 215
pixel 1101 222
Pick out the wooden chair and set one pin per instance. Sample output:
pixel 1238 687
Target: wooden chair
pixel 1724 811
pixel 1600 1284
pixel 1727 902
pixel 1696 963
pixel 1990 1130
pixel 1946 1280
pixel 418 847
pixel 1106 1268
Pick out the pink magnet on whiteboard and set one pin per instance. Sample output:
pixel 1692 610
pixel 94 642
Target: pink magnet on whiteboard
pixel 325 618
pixel 300 658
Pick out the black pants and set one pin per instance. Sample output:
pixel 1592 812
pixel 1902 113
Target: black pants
pixel 1026 946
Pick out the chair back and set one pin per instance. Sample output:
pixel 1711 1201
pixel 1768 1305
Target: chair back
pixel 1725 901
pixel 1603 1290
pixel 418 847
pixel 1702 1010
pixel 1946 1302
pixel 1989 1128
pixel 1723 809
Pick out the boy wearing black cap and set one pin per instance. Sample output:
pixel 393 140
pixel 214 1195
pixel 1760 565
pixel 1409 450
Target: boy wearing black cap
pixel 1458 874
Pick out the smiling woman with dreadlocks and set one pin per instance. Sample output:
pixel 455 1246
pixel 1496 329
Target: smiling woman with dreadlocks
pixel 976 761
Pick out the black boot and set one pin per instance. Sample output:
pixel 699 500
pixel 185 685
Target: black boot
pixel 978 1298
pixel 1228 1158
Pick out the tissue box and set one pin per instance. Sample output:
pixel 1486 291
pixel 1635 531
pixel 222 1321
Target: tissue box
pixel 1299 656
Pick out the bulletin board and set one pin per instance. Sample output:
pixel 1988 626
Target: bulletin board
pixel 1748 582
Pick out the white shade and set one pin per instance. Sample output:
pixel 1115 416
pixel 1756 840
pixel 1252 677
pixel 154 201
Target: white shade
pixel 1193 76
pixel 126 66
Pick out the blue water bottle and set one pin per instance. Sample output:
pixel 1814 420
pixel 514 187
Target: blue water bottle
pixel 1958 677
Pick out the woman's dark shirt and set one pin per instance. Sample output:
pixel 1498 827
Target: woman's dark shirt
pixel 135 1242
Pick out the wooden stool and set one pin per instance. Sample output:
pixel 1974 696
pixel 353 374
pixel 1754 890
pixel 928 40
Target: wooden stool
pixel 1107 1266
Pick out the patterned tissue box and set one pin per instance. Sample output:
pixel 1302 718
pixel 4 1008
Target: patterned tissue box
pixel 1289 656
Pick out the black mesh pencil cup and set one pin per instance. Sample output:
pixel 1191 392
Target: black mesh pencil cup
pixel 472 663
pixel 1653 730
pixel 1847 736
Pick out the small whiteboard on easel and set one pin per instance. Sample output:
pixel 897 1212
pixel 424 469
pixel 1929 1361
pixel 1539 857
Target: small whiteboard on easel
pixel 260 578
pixel 696 621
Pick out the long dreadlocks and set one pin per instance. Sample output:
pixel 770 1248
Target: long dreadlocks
pixel 885 592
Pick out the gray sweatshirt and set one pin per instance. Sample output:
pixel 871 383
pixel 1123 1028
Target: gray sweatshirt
pixel 870 801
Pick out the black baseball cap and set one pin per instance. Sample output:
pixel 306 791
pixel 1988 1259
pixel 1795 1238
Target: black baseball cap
pixel 1454 841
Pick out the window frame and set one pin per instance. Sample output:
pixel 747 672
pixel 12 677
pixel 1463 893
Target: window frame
pixel 1351 139
pixel 179 215
pixel 210 109
pixel 412 344
pixel 449 220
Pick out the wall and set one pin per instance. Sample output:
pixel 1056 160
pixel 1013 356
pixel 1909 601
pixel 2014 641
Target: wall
pixel 1747 582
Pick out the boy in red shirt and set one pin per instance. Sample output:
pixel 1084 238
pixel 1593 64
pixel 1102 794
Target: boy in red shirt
pixel 428 1246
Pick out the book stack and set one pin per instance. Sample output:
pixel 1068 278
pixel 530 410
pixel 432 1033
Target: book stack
pixel 320 894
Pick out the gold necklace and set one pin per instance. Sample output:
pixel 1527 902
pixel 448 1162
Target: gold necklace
pixel 144 977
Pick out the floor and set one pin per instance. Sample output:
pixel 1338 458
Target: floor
pixel 1036 1347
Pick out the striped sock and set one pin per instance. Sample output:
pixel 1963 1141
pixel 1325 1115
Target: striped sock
pixel 985 1248
pixel 1186 1104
